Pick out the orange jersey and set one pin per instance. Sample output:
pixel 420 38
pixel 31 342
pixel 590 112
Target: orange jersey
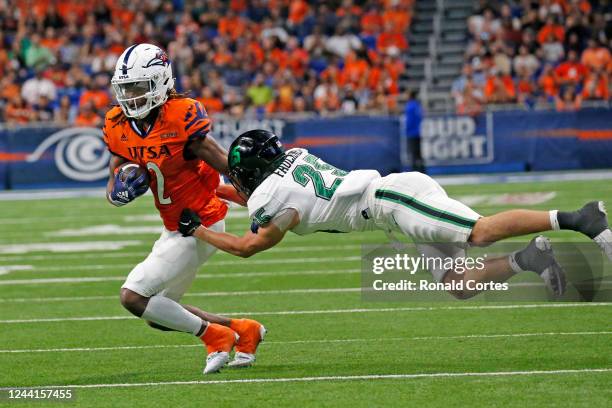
pixel 177 179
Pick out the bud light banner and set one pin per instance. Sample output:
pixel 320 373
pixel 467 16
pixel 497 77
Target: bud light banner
pixel 452 140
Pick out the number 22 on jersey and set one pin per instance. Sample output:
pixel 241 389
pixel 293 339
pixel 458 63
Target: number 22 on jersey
pixel 304 173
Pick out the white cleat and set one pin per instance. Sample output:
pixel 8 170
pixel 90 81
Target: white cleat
pixel 242 360
pixel 215 361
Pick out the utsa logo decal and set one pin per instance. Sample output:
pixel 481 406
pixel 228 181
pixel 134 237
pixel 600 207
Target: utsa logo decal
pixel 149 152
pixel 161 58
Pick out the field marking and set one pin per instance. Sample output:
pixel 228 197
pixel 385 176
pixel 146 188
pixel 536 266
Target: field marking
pixel 89 279
pixel 66 246
pixel 235 262
pixel 324 341
pixel 281 249
pixel 328 311
pixel 338 378
pixel 6 269
pixel 196 294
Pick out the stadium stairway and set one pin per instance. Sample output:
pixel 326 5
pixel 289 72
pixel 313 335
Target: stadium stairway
pixel 437 42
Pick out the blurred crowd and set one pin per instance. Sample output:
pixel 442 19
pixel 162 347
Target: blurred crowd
pixel 554 52
pixel 237 56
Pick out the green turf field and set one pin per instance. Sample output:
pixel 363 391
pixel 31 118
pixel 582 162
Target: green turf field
pixel 61 322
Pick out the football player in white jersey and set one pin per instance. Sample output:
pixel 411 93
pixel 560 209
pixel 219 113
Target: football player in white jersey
pixel 294 190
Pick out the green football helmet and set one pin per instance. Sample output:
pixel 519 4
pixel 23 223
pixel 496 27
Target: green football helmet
pixel 252 157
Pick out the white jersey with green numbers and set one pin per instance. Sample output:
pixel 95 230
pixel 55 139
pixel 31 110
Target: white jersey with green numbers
pixel 326 198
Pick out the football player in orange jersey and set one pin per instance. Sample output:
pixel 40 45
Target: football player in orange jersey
pixel 166 133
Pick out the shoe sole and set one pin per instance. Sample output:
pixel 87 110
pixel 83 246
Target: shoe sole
pixel 554 271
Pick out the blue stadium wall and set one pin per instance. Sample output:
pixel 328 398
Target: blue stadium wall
pixel 46 157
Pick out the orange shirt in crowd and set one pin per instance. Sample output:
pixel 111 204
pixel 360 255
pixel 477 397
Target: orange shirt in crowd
pixel 285 98
pixel 88 119
pixel 371 22
pixel 15 114
pixel 233 27
pixel 297 60
pixel 297 11
pixel 395 69
pixel 548 84
pixel 10 91
pixel 374 77
pixel 389 39
pixel 99 97
pixel 596 88
pixel 354 69
pixel 222 58
pixel 212 105
pixel 524 86
pixel 400 19
pixel 238 5
pixel 354 10
pixel 596 58
pixel 279 57
pixel 571 71
pixel 508 84
pixel 555 29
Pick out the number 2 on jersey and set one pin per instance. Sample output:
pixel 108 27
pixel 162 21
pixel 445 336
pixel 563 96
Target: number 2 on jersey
pixel 160 183
pixel 304 173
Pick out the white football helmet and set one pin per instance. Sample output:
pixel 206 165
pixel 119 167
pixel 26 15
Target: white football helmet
pixel 142 78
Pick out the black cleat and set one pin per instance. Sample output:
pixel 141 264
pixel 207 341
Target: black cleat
pixel 593 222
pixel 538 257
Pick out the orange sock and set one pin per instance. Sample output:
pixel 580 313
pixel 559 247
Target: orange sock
pixel 248 330
pixel 218 338
pixel 237 325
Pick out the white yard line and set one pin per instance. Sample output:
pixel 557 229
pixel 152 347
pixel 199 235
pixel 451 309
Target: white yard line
pixel 231 262
pixel 330 311
pixel 196 294
pixel 282 249
pixel 339 378
pixel 313 341
pixel 89 279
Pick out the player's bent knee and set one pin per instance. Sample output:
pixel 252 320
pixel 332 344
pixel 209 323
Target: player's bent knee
pixel 133 302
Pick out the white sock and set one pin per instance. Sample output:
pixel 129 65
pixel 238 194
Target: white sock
pixel 166 312
pixel 554 222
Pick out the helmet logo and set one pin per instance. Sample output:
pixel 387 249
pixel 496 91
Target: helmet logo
pixel 235 156
pixel 160 58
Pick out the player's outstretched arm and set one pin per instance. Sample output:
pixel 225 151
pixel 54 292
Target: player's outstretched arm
pixel 229 192
pixel 249 244
pixel 208 150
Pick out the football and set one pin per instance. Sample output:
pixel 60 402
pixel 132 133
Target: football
pixel 133 174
